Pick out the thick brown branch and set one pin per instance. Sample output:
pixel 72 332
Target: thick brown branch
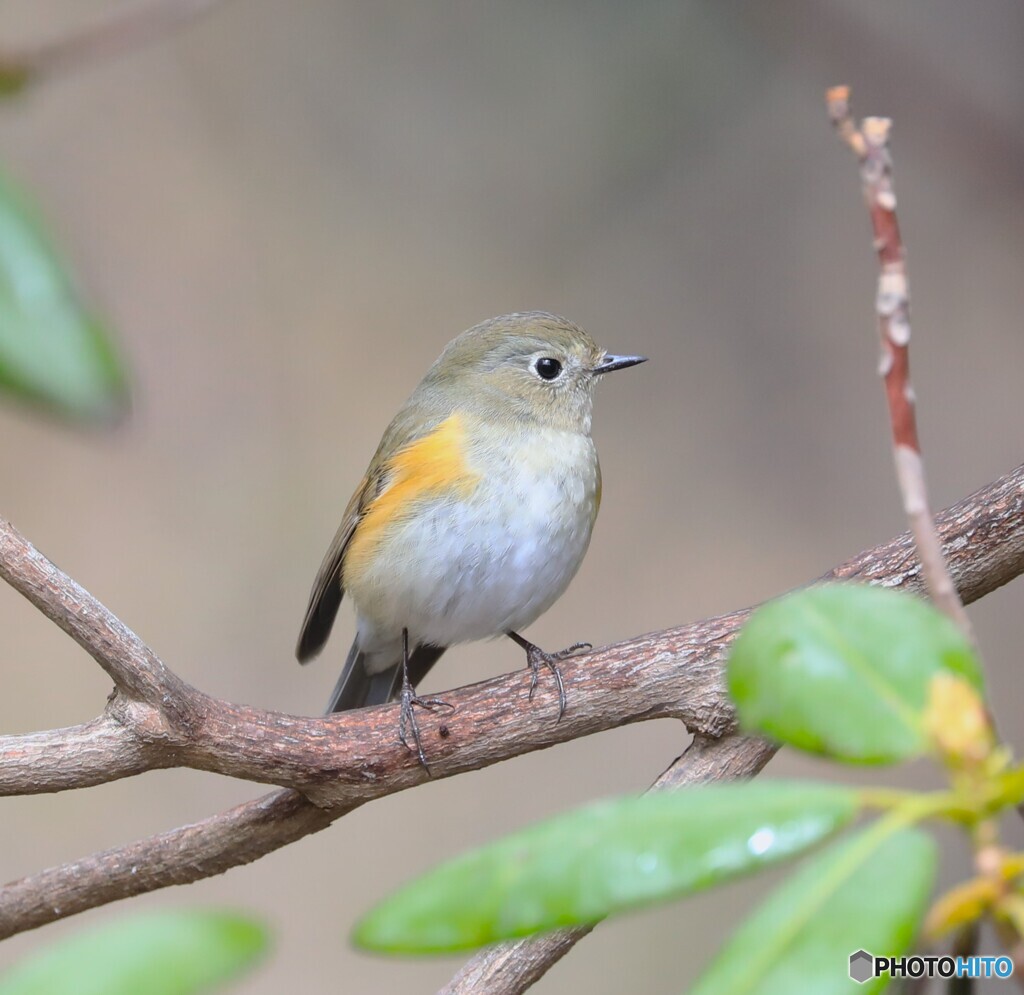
pixel 984 536
pixel 348 759
pixel 75 757
pixel 354 757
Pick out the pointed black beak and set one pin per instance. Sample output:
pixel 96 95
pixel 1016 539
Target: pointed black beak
pixel 610 363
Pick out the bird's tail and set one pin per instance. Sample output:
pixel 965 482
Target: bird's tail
pixel 356 688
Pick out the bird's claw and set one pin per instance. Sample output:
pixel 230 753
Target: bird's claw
pixel 408 727
pixel 537 658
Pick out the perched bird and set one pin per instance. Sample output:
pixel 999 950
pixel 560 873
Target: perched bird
pixel 474 514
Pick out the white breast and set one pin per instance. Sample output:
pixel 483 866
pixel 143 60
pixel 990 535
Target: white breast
pixel 475 567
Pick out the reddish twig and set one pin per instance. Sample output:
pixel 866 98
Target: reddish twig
pixel 870 144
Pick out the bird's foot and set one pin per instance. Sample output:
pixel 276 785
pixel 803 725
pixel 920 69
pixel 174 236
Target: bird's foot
pixel 408 727
pixel 538 658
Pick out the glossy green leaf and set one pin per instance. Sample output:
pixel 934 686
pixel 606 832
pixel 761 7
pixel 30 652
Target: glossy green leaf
pixel 867 893
pixel 52 351
pixel 604 858
pixel 161 953
pixel 844 670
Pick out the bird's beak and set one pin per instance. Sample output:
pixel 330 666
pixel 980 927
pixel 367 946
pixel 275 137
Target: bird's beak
pixel 610 362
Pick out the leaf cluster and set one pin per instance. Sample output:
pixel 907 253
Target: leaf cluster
pixel 857 674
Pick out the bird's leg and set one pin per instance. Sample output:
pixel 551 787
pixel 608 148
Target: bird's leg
pixel 537 658
pixel 410 700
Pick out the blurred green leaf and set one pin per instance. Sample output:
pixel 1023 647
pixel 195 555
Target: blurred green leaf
pixel 604 858
pixel 13 78
pixel 158 953
pixel 866 893
pixel 52 351
pixel 844 669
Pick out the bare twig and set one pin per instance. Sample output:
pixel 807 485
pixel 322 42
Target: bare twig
pixel 339 762
pixel 123 30
pixel 870 144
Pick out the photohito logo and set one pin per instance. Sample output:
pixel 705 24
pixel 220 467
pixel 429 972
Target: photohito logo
pixel 865 966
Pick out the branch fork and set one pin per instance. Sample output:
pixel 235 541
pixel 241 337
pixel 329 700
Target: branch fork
pixel 328 766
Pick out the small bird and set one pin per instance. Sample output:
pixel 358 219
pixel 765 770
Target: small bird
pixel 474 514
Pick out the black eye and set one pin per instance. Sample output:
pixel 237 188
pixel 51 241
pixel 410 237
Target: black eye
pixel 547 368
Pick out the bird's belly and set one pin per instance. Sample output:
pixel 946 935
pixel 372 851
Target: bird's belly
pixel 478 565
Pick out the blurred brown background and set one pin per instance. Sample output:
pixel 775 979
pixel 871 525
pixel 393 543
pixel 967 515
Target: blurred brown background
pixel 287 209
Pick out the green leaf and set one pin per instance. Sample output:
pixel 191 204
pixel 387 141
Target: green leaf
pixel 867 893
pixel 159 953
pixel 604 858
pixel 14 77
pixel 844 670
pixel 52 351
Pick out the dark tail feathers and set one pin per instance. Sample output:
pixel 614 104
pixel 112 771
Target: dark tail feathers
pixel 357 689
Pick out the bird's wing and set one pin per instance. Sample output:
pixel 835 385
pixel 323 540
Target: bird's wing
pixel 411 423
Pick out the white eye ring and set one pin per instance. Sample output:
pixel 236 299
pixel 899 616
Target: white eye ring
pixel 547 368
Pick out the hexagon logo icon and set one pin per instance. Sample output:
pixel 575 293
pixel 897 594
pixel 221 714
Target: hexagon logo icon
pixel 860 966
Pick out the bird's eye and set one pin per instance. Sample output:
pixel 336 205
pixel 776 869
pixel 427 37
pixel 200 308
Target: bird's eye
pixel 547 368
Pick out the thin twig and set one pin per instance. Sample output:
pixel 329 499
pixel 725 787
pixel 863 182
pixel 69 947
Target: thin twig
pixel 870 144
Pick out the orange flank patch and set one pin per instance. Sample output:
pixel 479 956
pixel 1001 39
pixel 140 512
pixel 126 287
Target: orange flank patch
pixel 426 468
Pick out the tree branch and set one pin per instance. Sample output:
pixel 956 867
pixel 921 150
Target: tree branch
pixel 339 762
pixel 235 837
pixel 76 757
